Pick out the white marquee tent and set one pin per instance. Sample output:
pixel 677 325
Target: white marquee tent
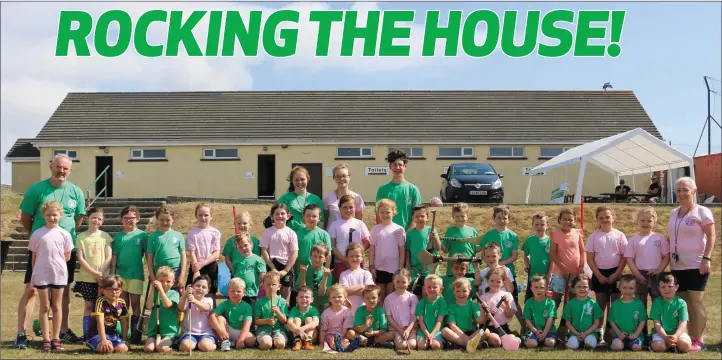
pixel 633 152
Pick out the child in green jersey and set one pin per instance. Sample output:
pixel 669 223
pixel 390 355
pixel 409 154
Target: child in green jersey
pixel 303 320
pixel 536 251
pixel 583 316
pixel 370 320
pixel 459 269
pixel 243 223
pixel 462 324
pixel 247 266
pixel 165 308
pixel 318 276
pixel 420 238
pixel 460 214
pixel 670 316
pixel 431 312
pixel 269 314
pixel 627 317
pixel 540 313
pixel 232 319
pixel 167 247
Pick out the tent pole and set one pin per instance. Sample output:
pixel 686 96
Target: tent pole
pixel 634 184
pixel 616 179
pixel 580 181
pixel 528 189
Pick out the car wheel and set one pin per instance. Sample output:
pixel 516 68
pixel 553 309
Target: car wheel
pixel 441 196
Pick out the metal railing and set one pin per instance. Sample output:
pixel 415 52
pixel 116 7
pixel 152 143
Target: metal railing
pixel 103 191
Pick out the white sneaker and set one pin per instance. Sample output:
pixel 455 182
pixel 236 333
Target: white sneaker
pixel 226 345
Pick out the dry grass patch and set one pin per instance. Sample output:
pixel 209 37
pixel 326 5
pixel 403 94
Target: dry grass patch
pixel 10 215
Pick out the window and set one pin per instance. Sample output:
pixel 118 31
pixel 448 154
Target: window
pixel 550 152
pixel 456 152
pixel 356 152
pixel 72 154
pixel 220 153
pixel 506 152
pixel 147 154
pixel 413 152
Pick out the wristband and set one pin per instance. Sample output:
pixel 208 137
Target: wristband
pixel 706 258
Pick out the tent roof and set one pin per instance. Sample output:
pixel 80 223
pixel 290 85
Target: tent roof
pixel 632 152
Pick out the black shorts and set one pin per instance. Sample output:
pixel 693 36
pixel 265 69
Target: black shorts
pixel 210 270
pixel 605 288
pixel 286 281
pixel 89 290
pixel 690 280
pixel 43 287
pixel 497 330
pixel 383 277
pixel 70 264
pixel 250 301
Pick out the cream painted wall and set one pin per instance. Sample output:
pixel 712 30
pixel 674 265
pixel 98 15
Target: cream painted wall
pixel 24 175
pixel 185 174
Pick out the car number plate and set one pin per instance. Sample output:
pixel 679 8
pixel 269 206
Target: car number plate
pixel 477 192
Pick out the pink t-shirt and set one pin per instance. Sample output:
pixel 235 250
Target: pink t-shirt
pixel 386 240
pixel 354 278
pixel 199 318
pixel 647 251
pixel 337 322
pixel 339 230
pixel 608 248
pixel 493 299
pixel 567 249
pixel 280 243
pixel 401 308
pixel 330 204
pixel 203 241
pixel 687 237
pixel 50 246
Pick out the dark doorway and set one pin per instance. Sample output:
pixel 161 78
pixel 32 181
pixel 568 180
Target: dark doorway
pixel 101 162
pixel 266 176
pixel 315 186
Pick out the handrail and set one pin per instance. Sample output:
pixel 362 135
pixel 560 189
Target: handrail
pixel 98 178
pixel 101 191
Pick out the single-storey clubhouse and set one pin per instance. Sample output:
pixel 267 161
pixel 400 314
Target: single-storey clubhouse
pixel 243 144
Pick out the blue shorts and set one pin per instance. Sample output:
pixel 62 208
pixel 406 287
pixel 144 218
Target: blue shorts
pixel 114 339
pixel 550 335
pixel 628 343
pixel 196 338
pixel 420 337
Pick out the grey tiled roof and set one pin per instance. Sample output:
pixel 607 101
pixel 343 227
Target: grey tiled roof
pixel 387 117
pixel 23 149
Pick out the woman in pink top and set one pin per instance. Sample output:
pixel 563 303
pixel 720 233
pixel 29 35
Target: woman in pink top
pixel 203 247
pixel 339 233
pixel 691 241
pixel 50 246
pixel 332 212
pixel 387 252
pixel 279 248
pixel 605 255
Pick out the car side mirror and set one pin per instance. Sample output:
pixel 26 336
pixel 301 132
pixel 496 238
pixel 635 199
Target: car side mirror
pixel 501 176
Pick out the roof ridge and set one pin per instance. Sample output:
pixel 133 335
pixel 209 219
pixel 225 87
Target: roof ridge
pixel 350 91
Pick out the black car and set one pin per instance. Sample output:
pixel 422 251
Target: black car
pixel 472 183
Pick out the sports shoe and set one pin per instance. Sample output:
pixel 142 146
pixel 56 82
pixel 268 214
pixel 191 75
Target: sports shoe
pixel 308 346
pixel 226 345
pixel 697 346
pixel 57 345
pixel 354 344
pixel 69 337
pixel 296 344
pixel 21 342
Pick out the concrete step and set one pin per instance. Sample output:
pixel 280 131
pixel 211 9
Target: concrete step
pixel 19 236
pixel 116 209
pixel 113 203
pixel 116 214
pixel 140 199
pixel 117 221
pixel 18 249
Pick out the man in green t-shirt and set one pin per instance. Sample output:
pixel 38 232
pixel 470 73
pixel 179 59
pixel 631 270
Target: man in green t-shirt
pixel 55 188
pixel 405 194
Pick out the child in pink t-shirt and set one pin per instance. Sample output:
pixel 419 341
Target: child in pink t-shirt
pixel 339 233
pixel 279 248
pixel 50 246
pixel 203 247
pixel 605 254
pixel 400 309
pixel 355 278
pixel 196 331
pixel 387 253
pixel 500 305
pixel 336 321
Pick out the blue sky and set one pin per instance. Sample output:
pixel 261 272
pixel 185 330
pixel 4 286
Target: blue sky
pixel 666 50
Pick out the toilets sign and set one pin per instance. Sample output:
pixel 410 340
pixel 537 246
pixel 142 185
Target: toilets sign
pixel 377 170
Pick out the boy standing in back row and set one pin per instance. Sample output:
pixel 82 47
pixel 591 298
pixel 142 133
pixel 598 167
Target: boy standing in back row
pixel 405 194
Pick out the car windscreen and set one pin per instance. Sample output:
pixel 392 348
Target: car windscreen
pixel 473 169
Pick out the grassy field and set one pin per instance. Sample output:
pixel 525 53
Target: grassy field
pixel 480 218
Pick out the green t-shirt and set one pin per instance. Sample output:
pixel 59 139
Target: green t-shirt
pixel 168 316
pixel 69 195
pixel 236 314
pixel 582 314
pixel 311 312
pixel 406 195
pixel 464 316
pixel 249 269
pixel 230 250
pixel 377 314
pixel 538 312
pixel 431 312
pixel 262 310
pixel 669 313
pixel 129 249
pixel 313 281
pixel 538 252
pixel 507 240
pixel 455 247
pixel 296 203
pixel 448 292
pixel 416 242
pixel 306 240
pixel 166 249
pixel 628 316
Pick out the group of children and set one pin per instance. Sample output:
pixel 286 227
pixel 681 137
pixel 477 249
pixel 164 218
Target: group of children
pixel 314 287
